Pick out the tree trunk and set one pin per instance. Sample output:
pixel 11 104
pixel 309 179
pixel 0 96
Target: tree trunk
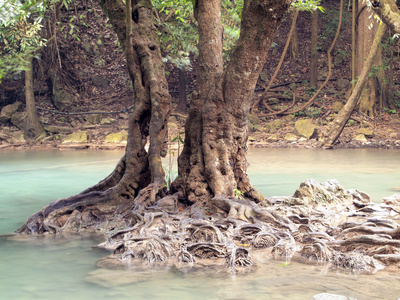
pixel 336 127
pixel 213 162
pixel 294 44
pixel 375 90
pixel 138 179
pixel 182 102
pixel 33 129
pixel 314 50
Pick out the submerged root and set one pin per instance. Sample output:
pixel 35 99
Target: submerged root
pixel 327 230
pixel 317 252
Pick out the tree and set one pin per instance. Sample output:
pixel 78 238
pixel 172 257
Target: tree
pixel 389 13
pixel 19 33
pixel 376 87
pixel 213 163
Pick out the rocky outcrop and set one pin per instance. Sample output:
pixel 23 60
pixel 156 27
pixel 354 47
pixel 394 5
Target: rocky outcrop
pixel 8 110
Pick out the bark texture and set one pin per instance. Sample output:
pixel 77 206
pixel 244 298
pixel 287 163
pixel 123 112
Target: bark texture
pixel 33 129
pixel 389 12
pixel 213 163
pixel 375 90
pixel 138 179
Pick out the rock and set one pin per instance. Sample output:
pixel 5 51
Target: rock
pixel 395 121
pixel 62 99
pixel 76 137
pixel 8 110
pixel 273 126
pixel 360 138
pixel 393 200
pixel 88 126
pixel 119 137
pixel 16 137
pixel 254 119
pixel 273 138
pixel 107 121
pixel 123 116
pixel 290 137
pixel 342 84
pixel 328 296
pixel 45 121
pixel 18 120
pixel 367 132
pixel 337 106
pixel 94 118
pixel 100 81
pixel 304 128
pixel 264 77
pixel 58 129
pixel 312 192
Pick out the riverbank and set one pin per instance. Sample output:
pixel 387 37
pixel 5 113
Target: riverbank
pixel 99 132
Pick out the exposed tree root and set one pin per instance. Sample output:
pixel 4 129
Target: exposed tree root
pixel 321 223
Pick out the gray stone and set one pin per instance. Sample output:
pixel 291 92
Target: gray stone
pixel 360 138
pixel 100 81
pixel 8 110
pixel 328 296
pixel 58 129
pixel 94 118
pixel 18 120
pixel 76 137
pixel 367 132
pixel 107 121
pixel 290 137
pixel 119 137
pixel 304 128
pixel 273 138
pixel 62 99
pixel 254 119
pixel 264 76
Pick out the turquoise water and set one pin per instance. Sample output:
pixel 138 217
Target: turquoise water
pixel 64 267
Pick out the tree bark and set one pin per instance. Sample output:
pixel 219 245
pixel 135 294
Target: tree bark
pixel 213 163
pixel 336 127
pixel 314 50
pixel 294 44
pixel 389 12
pixel 182 102
pixel 33 129
pixel 138 179
pixel 376 88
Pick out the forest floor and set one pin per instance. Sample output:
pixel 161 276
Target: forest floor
pixel 108 89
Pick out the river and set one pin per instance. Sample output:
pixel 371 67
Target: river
pixel 64 267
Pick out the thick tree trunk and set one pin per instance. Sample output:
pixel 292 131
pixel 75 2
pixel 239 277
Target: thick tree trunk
pixel 336 127
pixel 33 129
pixel 375 90
pixel 213 163
pixel 138 178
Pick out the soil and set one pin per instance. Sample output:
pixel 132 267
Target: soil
pixel 93 69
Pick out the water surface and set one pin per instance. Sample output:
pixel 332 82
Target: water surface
pixel 65 267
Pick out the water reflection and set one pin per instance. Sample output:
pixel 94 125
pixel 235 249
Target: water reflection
pixel 65 267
